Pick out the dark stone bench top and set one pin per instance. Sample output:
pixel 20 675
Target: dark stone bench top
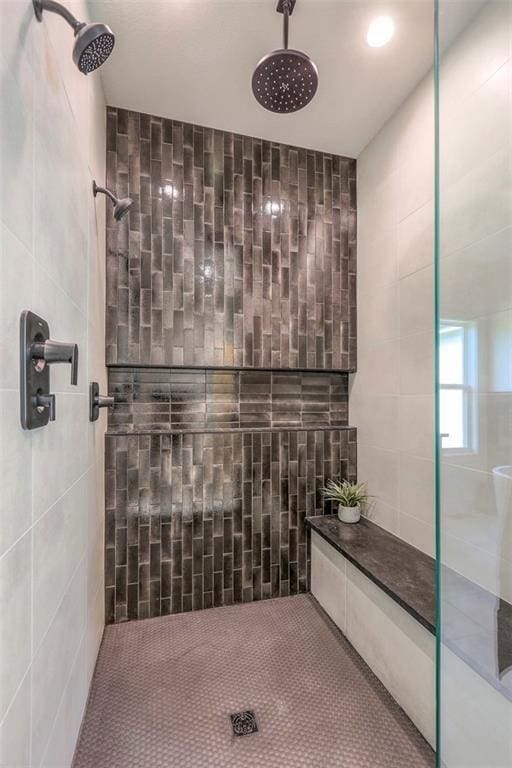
pixel 402 571
pixel 475 624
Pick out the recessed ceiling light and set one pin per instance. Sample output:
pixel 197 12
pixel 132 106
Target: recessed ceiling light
pixel 380 31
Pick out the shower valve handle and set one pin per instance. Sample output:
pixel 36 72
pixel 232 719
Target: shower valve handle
pixel 57 352
pixel 45 401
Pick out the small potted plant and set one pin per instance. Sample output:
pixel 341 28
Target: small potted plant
pixel 348 497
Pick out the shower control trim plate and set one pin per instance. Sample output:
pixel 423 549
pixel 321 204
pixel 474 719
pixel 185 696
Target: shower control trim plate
pixel 35 408
pixel 38 352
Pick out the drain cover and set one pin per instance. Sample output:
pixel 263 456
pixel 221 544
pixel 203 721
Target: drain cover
pixel 244 723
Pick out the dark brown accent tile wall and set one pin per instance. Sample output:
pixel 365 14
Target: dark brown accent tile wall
pixel 201 520
pixel 231 323
pixel 238 252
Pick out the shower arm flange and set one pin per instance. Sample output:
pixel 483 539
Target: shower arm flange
pixel 289 3
pixel 52 7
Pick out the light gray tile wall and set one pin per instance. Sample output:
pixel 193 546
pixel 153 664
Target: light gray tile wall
pixel 52 254
pixel 392 393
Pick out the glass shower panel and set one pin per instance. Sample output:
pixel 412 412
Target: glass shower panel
pixel 474 386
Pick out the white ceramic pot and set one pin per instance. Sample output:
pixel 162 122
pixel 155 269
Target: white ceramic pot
pixel 349 514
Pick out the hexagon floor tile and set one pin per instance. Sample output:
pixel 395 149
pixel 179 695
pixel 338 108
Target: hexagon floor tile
pixel 164 690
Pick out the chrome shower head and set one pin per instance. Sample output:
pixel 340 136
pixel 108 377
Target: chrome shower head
pixel 285 80
pixel 121 206
pixel 93 42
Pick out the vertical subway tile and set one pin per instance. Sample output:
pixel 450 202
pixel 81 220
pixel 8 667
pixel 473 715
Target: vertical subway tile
pixel 242 193
pixel 239 253
pixel 250 545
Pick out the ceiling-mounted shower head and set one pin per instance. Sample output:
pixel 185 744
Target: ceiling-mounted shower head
pixel 93 42
pixel 121 206
pixel 285 80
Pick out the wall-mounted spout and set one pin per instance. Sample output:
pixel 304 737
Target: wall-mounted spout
pixel 97 401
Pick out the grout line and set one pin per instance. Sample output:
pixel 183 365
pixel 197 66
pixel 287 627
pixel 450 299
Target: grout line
pixel 66 684
pixel 234 430
pixel 61 601
pixel 229 368
pixel 64 493
pixel 14 543
pixel 13 699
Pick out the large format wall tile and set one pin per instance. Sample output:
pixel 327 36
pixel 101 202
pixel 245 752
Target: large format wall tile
pixel 391 393
pixel 52 254
pixel 15 572
pixel 16 461
pixel 54 661
pixel 238 252
pixel 200 519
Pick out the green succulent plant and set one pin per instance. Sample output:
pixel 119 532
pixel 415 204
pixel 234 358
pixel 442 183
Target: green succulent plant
pixel 345 493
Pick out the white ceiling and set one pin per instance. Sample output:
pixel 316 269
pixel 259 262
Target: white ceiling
pixel 193 60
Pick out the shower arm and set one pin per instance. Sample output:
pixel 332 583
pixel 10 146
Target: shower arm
pixel 286 16
pixel 104 191
pixel 60 10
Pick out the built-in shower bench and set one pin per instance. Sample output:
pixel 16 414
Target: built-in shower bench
pixel 380 591
pixel 405 573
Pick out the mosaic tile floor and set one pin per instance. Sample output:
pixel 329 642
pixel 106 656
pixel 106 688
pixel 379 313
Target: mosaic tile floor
pixel 164 690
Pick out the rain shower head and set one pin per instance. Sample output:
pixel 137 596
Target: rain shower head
pixel 93 42
pixel 285 80
pixel 121 206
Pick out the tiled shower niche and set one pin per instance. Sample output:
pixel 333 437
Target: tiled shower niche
pixel 149 399
pixel 195 520
pixel 238 252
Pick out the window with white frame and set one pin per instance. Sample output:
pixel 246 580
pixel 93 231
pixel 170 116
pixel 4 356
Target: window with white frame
pixel 457 372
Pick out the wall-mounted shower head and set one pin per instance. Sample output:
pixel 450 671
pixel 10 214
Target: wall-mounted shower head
pixel 93 45
pixel 121 205
pixel 285 80
pixel 93 42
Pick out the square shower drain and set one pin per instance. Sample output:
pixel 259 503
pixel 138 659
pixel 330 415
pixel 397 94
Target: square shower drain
pixel 244 723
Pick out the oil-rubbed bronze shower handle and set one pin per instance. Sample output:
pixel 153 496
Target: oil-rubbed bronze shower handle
pixel 97 401
pixel 45 401
pixel 57 352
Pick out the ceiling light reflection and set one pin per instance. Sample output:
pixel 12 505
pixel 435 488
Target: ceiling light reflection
pixel 380 31
pixel 169 190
